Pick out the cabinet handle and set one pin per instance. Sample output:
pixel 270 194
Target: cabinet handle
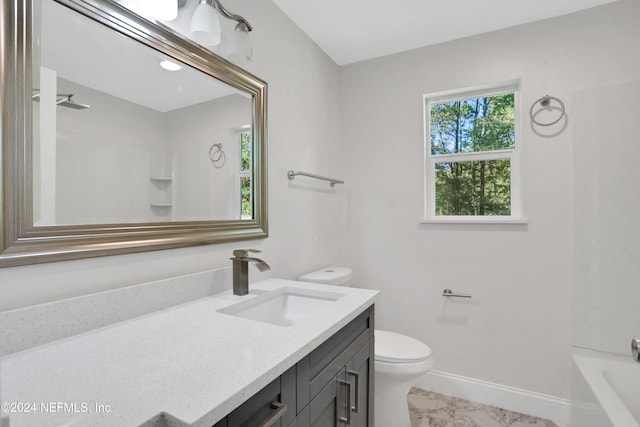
pixel 281 408
pixel 346 420
pixel 356 375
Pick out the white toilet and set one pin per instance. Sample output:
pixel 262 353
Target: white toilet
pixel 399 360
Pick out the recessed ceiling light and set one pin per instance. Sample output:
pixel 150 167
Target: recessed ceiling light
pixel 170 66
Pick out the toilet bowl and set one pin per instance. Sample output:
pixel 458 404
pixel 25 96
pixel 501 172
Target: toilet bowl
pixel 399 360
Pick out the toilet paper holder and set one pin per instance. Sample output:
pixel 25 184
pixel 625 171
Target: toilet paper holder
pixel 449 293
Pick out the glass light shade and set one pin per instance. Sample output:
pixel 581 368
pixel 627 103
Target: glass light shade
pixel 205 25
pixel 239 49
pixel 162 10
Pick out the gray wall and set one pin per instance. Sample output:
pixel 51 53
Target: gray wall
pixel 517 329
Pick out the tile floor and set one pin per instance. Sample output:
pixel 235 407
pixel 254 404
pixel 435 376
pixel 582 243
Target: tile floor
pixel 430 409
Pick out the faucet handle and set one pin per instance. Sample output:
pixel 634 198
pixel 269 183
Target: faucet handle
pixel 241 253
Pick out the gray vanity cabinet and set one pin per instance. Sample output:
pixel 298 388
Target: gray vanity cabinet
pixel 330 387
pixel 274 405
pixel 327 407
pixel 349 388
pixel 360 371
pixel 335 381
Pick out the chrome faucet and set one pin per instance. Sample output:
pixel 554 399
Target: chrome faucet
pixel 241 260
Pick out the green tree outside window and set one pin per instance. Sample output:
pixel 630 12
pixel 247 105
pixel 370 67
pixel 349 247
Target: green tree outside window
pixel 470 187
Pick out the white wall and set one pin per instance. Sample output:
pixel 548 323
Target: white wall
pixel 106 155
pixel 303 134
pixel 200 189
pixel 606 206
pixel 516 330
pixel 104 158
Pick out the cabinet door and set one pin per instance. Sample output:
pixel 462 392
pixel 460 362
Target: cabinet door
pixel 330 407
pixel 317 369
pixel 302 420
pixel 359 374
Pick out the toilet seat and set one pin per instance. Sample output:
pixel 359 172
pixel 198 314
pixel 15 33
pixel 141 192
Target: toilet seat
pixel 391 347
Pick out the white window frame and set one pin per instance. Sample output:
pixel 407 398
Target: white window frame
pixel 243 174
pixel 513 155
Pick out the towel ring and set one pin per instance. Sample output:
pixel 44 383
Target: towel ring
pixel 217 156
pixel 544 102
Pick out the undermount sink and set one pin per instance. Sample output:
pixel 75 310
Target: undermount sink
pixel 284 306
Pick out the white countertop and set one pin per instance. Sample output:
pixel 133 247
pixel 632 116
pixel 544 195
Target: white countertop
pixel 188 361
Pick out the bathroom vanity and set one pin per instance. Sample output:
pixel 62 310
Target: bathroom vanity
pixel 331 386
pixel 221 360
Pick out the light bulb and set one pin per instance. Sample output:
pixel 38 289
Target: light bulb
pixel 239 48
pixel 205 25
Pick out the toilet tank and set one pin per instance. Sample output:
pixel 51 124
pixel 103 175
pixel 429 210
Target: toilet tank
pixel 337 276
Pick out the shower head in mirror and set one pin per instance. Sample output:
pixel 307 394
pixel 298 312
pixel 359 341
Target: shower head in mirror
pixel 63 100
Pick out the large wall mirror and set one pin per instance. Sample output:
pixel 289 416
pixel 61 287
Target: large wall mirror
pixel 120 136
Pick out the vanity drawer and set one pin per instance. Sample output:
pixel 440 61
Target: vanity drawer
pixel 267 403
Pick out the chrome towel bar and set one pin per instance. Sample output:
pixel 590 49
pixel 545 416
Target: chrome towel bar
pixel 450 293
pixel 332 181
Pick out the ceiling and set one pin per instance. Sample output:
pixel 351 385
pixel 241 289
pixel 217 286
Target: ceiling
pixel 355 30
pixel 90 54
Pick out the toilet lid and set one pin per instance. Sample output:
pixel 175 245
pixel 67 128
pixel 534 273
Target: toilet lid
pixel 396 348
pixel 329 276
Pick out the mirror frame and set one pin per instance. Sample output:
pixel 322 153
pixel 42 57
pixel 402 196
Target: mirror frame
pixel 22 243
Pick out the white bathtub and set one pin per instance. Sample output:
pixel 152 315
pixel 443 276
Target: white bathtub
pixel 615 381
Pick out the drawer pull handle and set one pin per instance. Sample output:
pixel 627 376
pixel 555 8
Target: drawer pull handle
pixel 281 408
pixel 346 420
pixel 356 375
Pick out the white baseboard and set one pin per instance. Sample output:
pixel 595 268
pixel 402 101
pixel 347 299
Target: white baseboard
pixel 514 399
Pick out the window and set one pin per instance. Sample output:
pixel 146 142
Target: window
pixel 471 148
pixel 245 174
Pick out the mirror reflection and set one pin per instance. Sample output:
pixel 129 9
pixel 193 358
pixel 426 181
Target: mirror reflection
pixel 125 134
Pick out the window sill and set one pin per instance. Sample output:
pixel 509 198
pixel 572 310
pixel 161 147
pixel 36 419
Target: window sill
pixel 467 220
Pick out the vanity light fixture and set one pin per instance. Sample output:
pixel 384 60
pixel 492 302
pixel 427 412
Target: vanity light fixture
pixel 205 29
pixel 163 10
pixel 170 65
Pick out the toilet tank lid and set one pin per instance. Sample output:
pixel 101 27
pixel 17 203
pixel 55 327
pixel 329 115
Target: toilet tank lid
pixel 328 275
pixel 397 348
